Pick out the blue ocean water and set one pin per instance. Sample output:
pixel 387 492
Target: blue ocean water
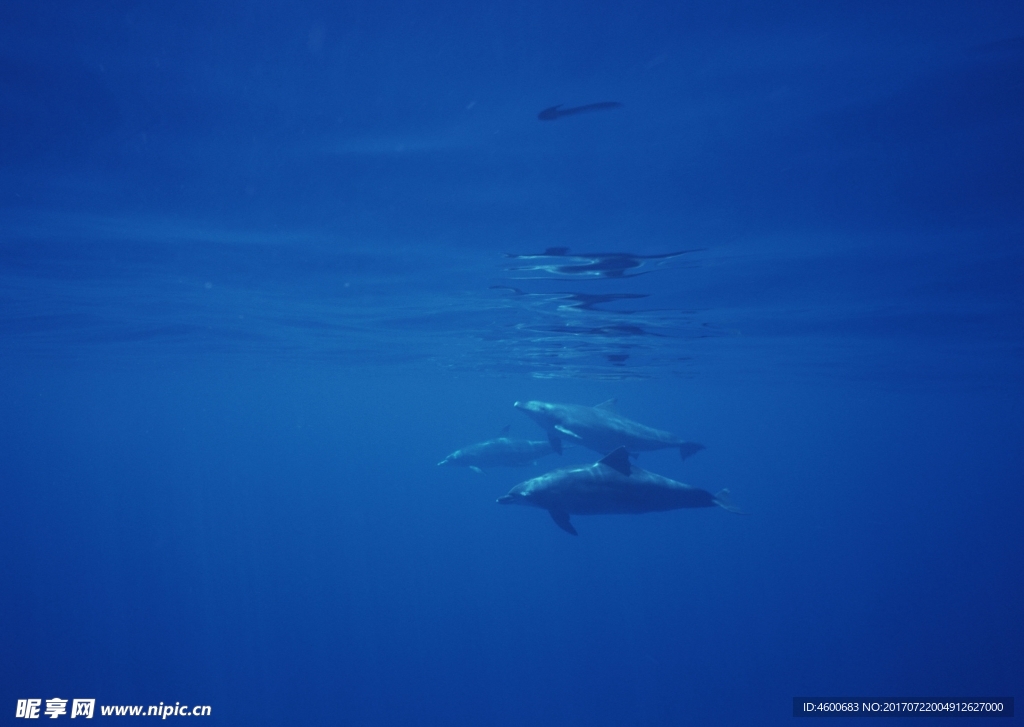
pixel 263 265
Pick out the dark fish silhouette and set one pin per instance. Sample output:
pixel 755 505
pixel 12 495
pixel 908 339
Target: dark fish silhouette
pixel 557 112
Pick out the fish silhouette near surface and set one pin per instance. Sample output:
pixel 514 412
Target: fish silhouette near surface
pixel 557 112
pixel 600 428
pixel 610 486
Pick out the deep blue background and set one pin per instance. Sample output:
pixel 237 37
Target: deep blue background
pixel 252 288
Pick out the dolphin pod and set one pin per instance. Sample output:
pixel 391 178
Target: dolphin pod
pixel 600 428
pixel 610 486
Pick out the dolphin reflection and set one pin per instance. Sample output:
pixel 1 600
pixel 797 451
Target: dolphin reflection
pixel 558 261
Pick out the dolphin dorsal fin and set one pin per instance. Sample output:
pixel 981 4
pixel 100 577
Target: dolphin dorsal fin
pixel 618 461
pixel 610 405
pixel 504 430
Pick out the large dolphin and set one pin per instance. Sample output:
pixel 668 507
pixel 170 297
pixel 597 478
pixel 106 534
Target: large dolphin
pixel 499 452
pixel 600 428
pixel 609 486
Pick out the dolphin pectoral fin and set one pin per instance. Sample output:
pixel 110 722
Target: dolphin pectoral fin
pixel 617 460
pixel 610 405
pixel 724 501
pixel 562 520
pixel 504 430
pixel 476 469
pixel 688 448
pixel 567 432
pixel 556 443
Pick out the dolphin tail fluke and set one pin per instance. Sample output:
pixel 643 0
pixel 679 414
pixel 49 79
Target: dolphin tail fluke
pixel 562 520
pixel 689 448
pixel 556 443
pixel 724 501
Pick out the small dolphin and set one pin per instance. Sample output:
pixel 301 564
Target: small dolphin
pixel 610 486
pixel 500 452
pixel 600 428
pixel 556 112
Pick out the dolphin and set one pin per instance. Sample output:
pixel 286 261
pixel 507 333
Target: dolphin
pixel 600 428
pixel 499 452
pixel 610 486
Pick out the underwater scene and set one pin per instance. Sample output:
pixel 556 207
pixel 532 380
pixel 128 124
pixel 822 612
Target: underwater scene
pixel 573 363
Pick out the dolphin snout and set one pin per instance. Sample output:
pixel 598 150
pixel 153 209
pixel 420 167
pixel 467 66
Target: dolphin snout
pixel 506 500
pixel 519 405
